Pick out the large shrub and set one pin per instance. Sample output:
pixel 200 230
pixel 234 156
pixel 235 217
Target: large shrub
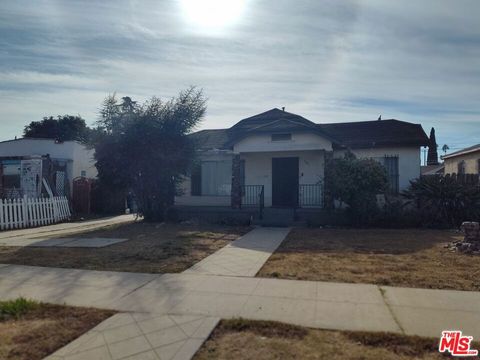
pixel 355 182
pixel 446 201
pixel 145 149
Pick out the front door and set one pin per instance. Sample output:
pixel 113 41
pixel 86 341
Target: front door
pixel 285 181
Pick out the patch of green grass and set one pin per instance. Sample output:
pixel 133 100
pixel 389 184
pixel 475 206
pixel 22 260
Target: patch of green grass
pixel 16 308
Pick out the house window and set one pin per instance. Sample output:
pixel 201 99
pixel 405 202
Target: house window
pixel 10 175
pixel 391 166
pixel 216 177
pixel 478 166
pixel 281 137
pixel 461 168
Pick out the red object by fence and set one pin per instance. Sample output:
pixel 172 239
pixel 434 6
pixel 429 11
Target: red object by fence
pixel 82 188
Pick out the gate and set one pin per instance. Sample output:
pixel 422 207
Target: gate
pixel 82 188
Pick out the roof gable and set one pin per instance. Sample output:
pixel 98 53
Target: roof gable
pixel 363 134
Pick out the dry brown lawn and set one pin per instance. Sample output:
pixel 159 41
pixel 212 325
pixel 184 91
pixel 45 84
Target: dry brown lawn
pixel 45 329
pixel 241 339
pixel 410 258
pixel 151 248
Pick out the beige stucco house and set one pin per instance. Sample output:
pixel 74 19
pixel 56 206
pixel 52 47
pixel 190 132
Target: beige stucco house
pixel 280 158
pixel 465 161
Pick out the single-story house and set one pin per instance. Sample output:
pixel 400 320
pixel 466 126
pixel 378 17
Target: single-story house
pixel 278 158
pixel 25 162
pixel 428 170
pixel 465 161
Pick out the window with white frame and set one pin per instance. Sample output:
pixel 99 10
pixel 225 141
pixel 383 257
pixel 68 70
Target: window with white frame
pixel 216 177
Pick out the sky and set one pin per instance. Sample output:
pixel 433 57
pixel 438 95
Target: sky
pixel 329 61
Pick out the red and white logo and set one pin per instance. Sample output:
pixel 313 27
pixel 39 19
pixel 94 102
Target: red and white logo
pixel 456 344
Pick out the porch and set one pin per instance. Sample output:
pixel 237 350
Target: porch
pixel 257 180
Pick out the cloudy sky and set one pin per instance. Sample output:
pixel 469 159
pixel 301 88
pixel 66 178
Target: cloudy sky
pixel 330 61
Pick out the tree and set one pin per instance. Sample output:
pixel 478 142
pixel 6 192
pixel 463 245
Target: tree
pixel 355 182
pixel 63 128
pixel 432 158
pixel 145 148
pixel 445 148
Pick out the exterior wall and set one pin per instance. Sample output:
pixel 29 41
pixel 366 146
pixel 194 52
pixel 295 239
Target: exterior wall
pixel 408 161
pixel 77 156
pixel 258 168
pixel 83 160
pixel 258 171
pixel 471 163
pixel 300 141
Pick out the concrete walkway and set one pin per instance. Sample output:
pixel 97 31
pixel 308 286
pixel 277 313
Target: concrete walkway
pixel 26 237
pixel 316 304
pixel 140 336
pixel 243 257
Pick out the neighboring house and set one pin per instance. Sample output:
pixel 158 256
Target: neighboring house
pixel 433 169
pixel 465 161
pixel 279 158
pixel 24 162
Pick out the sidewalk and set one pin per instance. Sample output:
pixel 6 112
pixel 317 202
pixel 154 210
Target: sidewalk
pixel 315 304
pixel 170 315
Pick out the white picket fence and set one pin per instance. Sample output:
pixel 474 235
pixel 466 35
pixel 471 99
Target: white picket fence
pixel 32 212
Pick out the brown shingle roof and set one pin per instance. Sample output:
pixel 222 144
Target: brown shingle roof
pixel 210 139
pixel 377 133
pixel 351 135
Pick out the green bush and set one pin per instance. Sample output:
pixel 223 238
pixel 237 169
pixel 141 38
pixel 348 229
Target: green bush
pixel 445 201
pixel 16 308
pixel 397 214
pixel 355 182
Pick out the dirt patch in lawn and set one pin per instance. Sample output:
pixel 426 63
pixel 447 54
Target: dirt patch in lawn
pixel 410 258
pixel 151 248
pixel 44 329
pixel 242 339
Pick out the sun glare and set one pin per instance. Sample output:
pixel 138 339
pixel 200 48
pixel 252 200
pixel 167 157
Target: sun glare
pixel 212 15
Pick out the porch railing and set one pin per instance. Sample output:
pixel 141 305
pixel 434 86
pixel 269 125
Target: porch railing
pixel 254 196
pixel 310 195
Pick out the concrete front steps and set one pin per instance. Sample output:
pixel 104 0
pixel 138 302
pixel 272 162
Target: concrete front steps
pixel 280 217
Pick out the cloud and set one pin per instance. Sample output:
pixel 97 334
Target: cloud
pixel 330 61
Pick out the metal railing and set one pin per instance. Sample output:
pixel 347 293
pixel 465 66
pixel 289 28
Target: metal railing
pixel 310 195
pixel 254 196
pixel 251 195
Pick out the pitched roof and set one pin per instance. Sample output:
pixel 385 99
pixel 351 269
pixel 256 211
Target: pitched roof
pixel 267 117
pixel 351 135
pixel 210 139
pixel 377 133
pixel 467 150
